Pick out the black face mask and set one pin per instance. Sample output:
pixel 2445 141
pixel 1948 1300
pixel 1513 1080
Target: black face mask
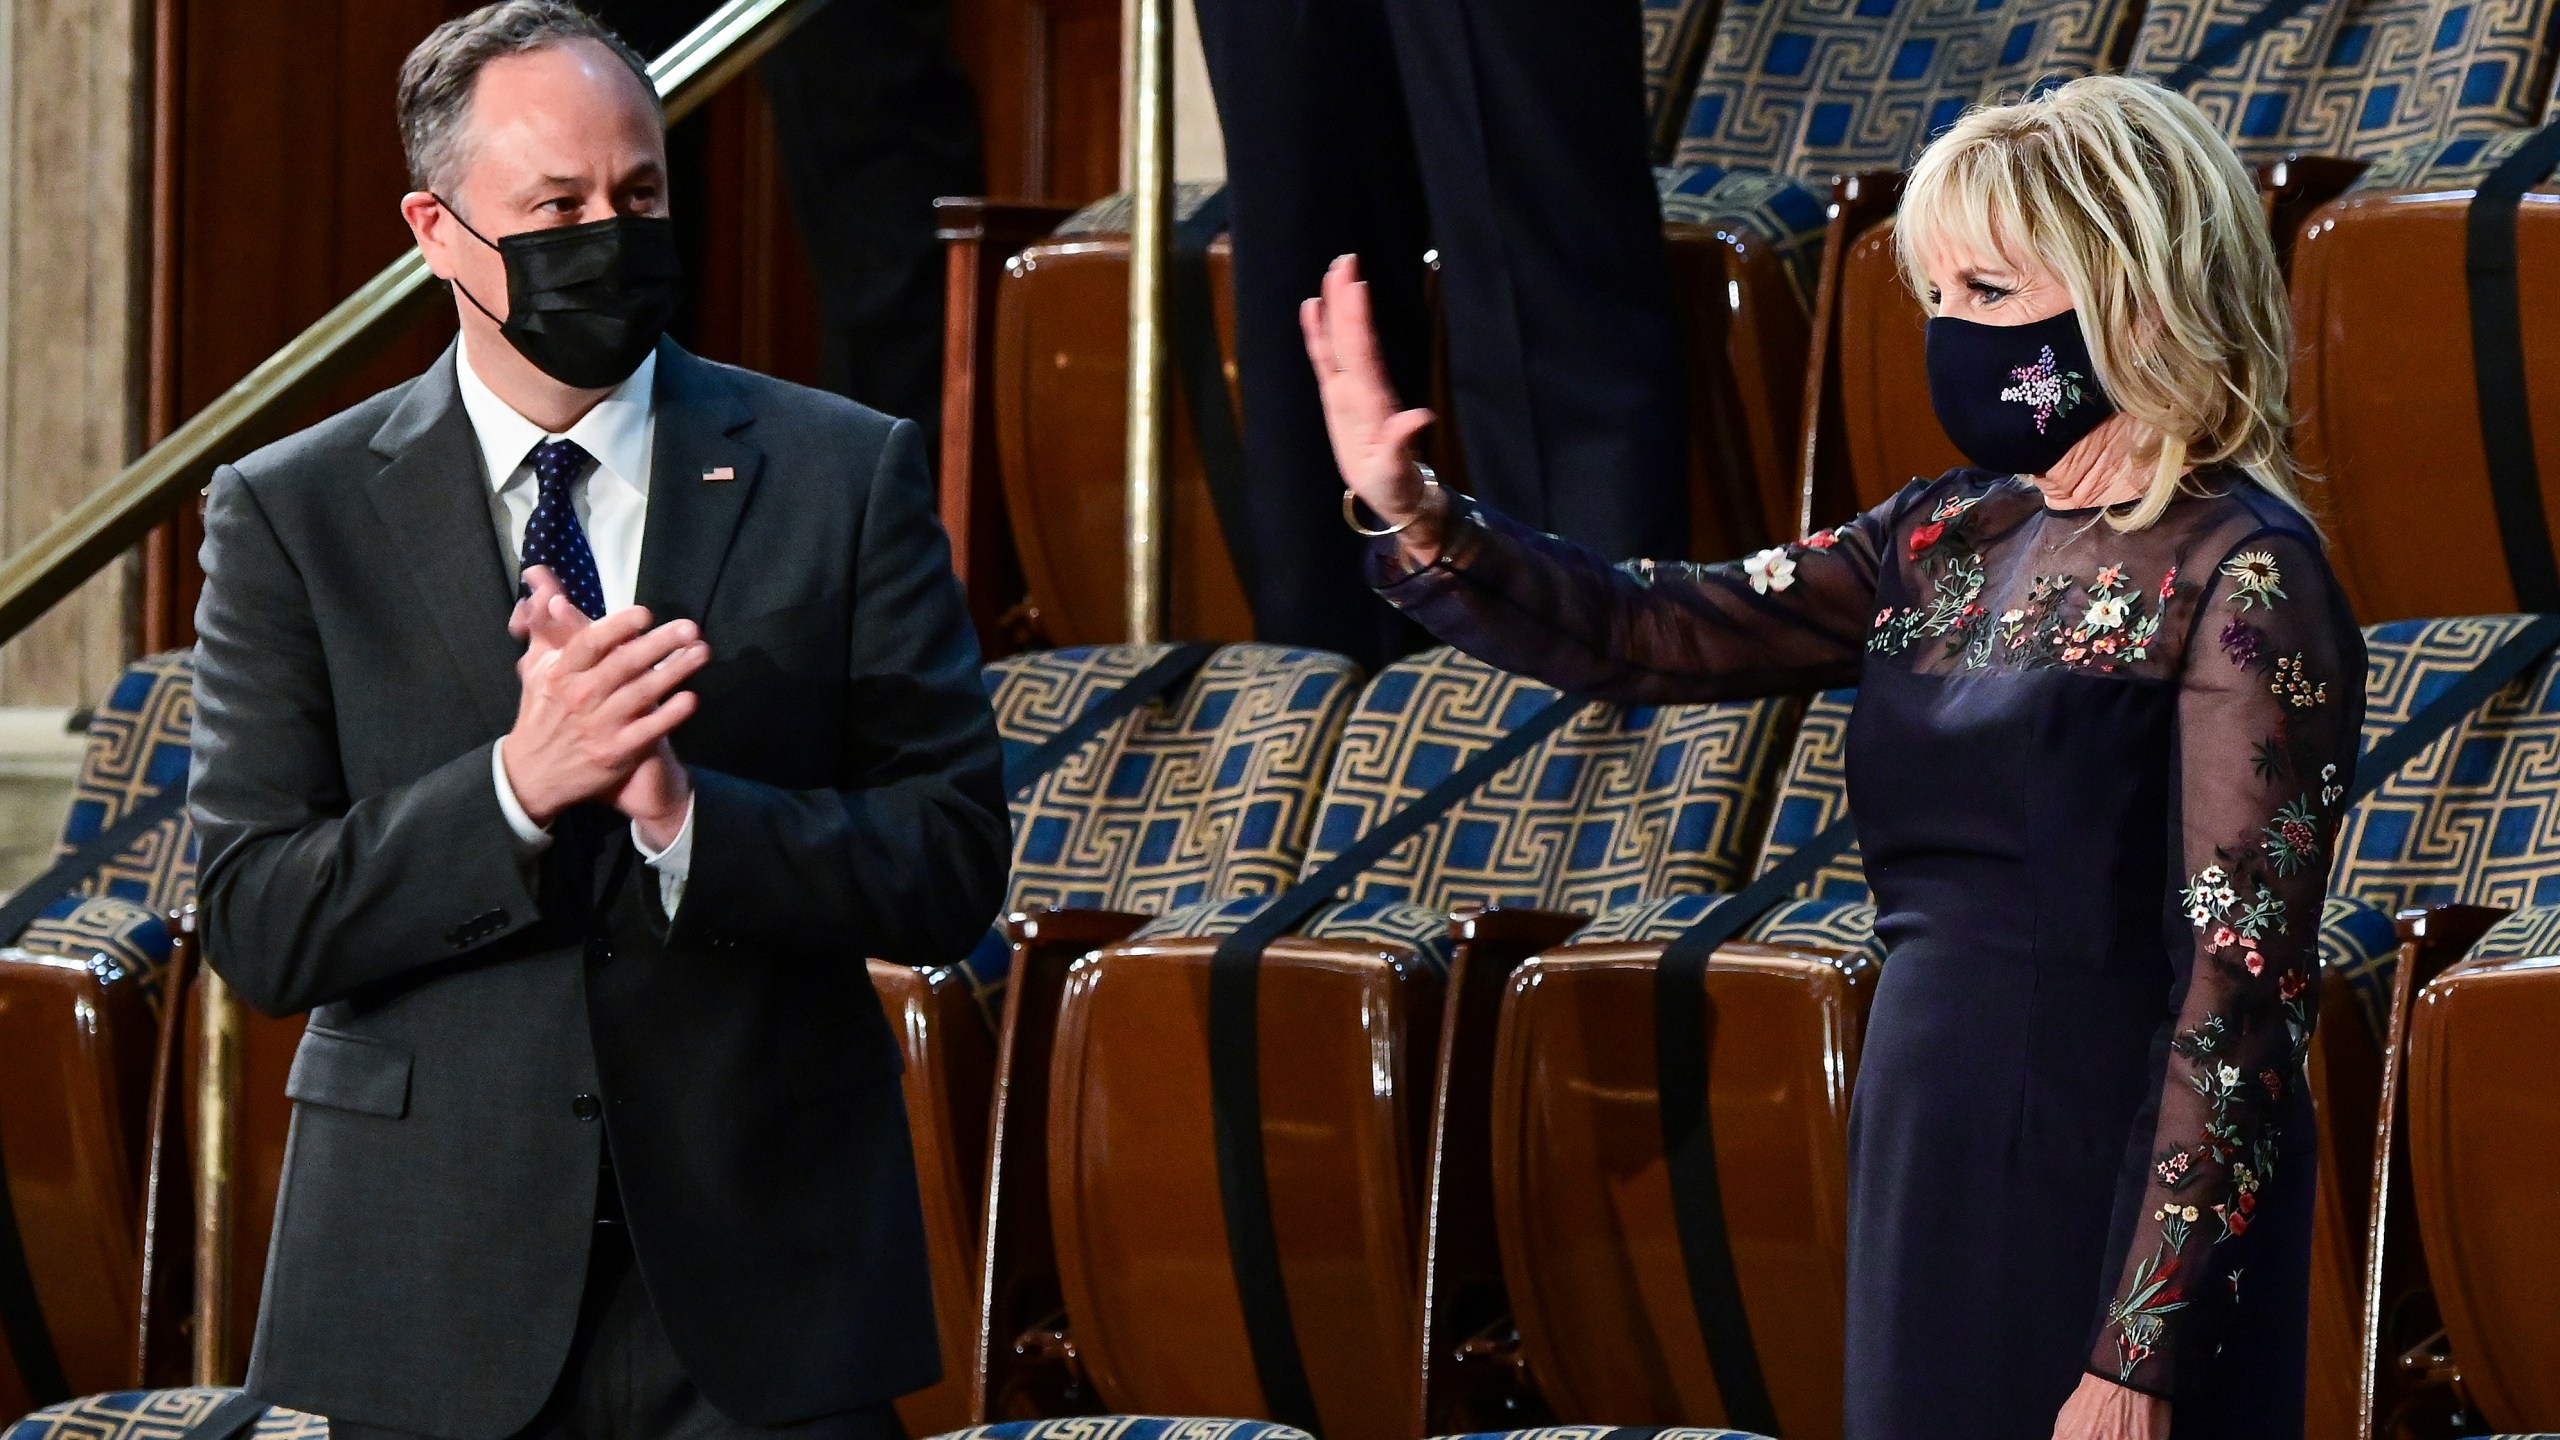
pixel 586 303
pixel 2015 398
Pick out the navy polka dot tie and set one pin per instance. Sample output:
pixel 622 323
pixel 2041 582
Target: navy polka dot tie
pixel 553 537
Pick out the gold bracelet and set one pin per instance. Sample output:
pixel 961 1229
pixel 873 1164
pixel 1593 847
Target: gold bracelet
pixel 1351 515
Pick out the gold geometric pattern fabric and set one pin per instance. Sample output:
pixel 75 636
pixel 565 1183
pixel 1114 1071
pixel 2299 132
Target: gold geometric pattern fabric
pixel 138 746
pixel 2532 933
pixel 2474 817
pixel 2455 162
pixel 2358 79
pixel 118 940
pixel 1812 793
pixel 1812 87
pixel 1620 804
pixel 1207 792
pixel 154 1415
pixel 2360 945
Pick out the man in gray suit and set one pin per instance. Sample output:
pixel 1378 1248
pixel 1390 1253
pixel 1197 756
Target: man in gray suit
pixel 598 1129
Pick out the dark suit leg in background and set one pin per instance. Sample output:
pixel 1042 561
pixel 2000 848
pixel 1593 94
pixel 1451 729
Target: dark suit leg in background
pixel 1320 163
pixel 874 120
pixel 1522 123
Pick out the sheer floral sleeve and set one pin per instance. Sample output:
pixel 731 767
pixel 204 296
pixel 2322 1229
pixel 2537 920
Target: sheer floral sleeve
pixel 1794 617
pixel 2268 716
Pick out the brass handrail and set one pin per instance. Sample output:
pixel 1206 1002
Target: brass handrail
pixel 112 518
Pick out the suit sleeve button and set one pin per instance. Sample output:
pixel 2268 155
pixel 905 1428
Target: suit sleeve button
pixel 586 1107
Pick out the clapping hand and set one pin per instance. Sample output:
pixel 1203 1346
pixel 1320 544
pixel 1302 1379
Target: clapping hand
pixel 599 700
pixel 1371 431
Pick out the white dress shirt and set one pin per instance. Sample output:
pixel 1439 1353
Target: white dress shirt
pixel 613 508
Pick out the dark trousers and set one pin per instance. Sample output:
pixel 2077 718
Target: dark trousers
pixel 1511 136
pixel 622 1380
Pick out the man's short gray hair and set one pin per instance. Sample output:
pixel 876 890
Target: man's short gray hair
pixel 437 79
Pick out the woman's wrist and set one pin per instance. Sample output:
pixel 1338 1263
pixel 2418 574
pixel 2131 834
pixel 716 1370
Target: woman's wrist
pixel 1419 540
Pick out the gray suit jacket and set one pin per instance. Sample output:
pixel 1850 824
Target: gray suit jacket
pixel 353 670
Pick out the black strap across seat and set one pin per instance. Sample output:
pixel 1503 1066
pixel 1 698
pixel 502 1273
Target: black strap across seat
pixel 2219 50
pixel 1169 671
pixel 237 1412
pixel 1688 1132
pixel 1235 1063
pixel 21 1312
pixel 2515 655
pixel 2497 360
pixel 1200 365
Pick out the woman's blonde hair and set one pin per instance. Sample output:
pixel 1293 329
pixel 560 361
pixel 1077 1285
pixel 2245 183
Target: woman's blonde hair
pixel 2124 190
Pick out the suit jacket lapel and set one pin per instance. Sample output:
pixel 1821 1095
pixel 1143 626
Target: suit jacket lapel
pixel 700 476
pixel 435 499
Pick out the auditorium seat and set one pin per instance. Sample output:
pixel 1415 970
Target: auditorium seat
pixel 82 1004
pixel 2463 832
pixel 2484 1131
pixel 1212 792
pixel 155 1415
pixel 1616 805
pixel 2379 297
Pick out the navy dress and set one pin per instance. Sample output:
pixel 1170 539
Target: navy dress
pixel 2096 777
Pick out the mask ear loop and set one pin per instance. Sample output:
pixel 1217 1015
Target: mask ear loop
pixel 464 290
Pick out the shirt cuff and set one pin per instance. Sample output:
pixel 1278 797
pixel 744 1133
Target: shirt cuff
pixel 528 834
pixel 673 864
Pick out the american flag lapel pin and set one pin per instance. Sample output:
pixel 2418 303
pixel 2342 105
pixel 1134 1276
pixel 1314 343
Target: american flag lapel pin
pixel 718 473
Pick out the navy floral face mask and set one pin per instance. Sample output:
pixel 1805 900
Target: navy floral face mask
pixel 2015 398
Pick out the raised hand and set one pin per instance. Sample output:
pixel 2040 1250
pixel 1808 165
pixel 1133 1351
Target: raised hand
pixel 1372 433
pixel 598 702
pixel 2101 1409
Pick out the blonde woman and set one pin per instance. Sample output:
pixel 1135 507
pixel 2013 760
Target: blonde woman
pixel 2108 702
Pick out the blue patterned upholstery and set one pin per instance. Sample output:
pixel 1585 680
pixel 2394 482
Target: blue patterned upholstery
pixel 2454 162
pixel 1130 1427
pixel 1846 926
pixel 1676 33
pixel 139 744
pixel 1619 805
pixel 153 1415
pixel 1813 792
pixel 1605 1432
pixel 2475 817
pixel 1812 87
pixel 2360 944
pixel 2358 77
pixel 1110 214
pixel 1417 928
pixel 117 939
pixel 1782 213
pixel 1214 797
pixel 2532 933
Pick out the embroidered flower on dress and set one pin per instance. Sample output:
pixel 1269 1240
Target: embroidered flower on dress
pixel 2168 583
pixel 2242 641
pixel 2294 687
pixel 2293 837
pixel 2330 790
pixel 1771 570
pixel 1822 539
pixel 1924 536
pixel 2106 613
pixel 2045 387
pixel 2255 579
